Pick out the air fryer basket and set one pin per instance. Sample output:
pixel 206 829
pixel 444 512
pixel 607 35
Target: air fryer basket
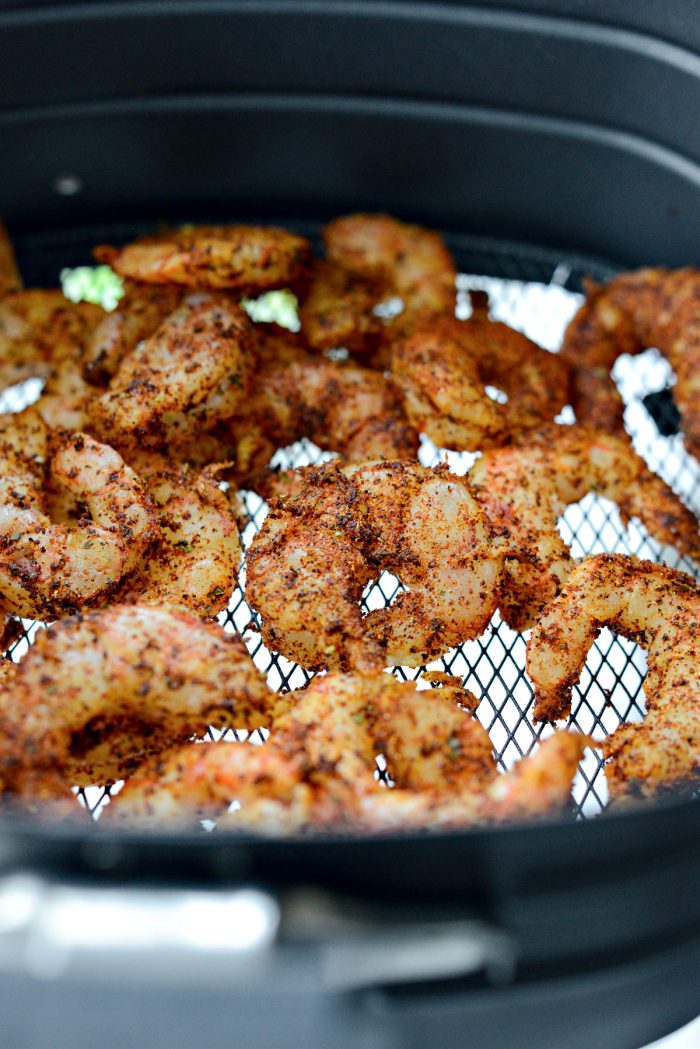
pixel 468 118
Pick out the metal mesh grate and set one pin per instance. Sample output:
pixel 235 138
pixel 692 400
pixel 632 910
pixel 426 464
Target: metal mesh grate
pixel 529 289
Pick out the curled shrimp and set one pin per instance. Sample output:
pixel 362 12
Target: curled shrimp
pixel 140 311
pixel 41 333
pixel 308 566
pixel 658 608
pixel 338 309
pixel 413 261
pixel 192 372
pixel 524 490
pixel 10 278
pixel 443 366
pixel 649 307
pixel 438 756
pixel 202 780
pixel 99 693
pixel 251 259
pixel 317 771
pixel 195 563
pixel 320 760
pixel 341 407
pixel 46 568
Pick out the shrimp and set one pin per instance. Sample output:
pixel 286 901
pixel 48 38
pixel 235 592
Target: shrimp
pixel 342 407
pixel 41 332
pixel 413 261
pixel 141 310
pixel 317 771
pixel 658 608
pixel 48 569
pixel 439 756
pixel 251 259
pixel 524 490
pixel 443 365
pixel 99 693
pixel 338 309
pixel 195 564
pixel 343 721
pixel 309 563
pixel 320 759
pixel 649 307
pixel 202 780
pixel 192 372
pixel 10 278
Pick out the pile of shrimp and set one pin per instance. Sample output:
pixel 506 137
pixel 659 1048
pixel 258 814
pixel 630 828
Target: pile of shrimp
pixel 120 521
pixel 652 307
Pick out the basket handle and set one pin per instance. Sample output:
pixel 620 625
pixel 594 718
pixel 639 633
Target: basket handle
pixel 231 935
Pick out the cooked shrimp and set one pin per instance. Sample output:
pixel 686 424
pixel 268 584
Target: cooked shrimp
pixel 413 261
pixel 649 307
pixel 318 769
pixel 439 757
pixel 44 793
pixel 41 332
pixel 48 569
pixel 99 693
pixel 308 565
pixel 141 310
pixel 443 366
pixel 250 258
pixel 338 310
pixel 541 782
pixel 343 721
pixel 342 407
pixel 10 279
pixel 202 780
pixel 195 563
pixel 320 760
pixel 660 609
pixel 192 372
pixel 524 490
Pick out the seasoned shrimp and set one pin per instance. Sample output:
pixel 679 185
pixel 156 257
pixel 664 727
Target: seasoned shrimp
pixel 141 310
pixel 414 261
pixel 660 609
pixel 99 693
pixel 251 259
pixel 338 310
pixel 524 490
pixel 192 372
pixel 48 569
pixel 341 407
pixel 320 760
pixel 443 366
pixel 10 279
pixel 202 780
pixel 649 307
pixel 439 757
pixel 343 721
pixel 310 562
pixel 195 563
pixel 42 332
pixel 318 769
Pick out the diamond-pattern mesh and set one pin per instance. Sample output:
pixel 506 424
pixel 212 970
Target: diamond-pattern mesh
pixel 529 290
